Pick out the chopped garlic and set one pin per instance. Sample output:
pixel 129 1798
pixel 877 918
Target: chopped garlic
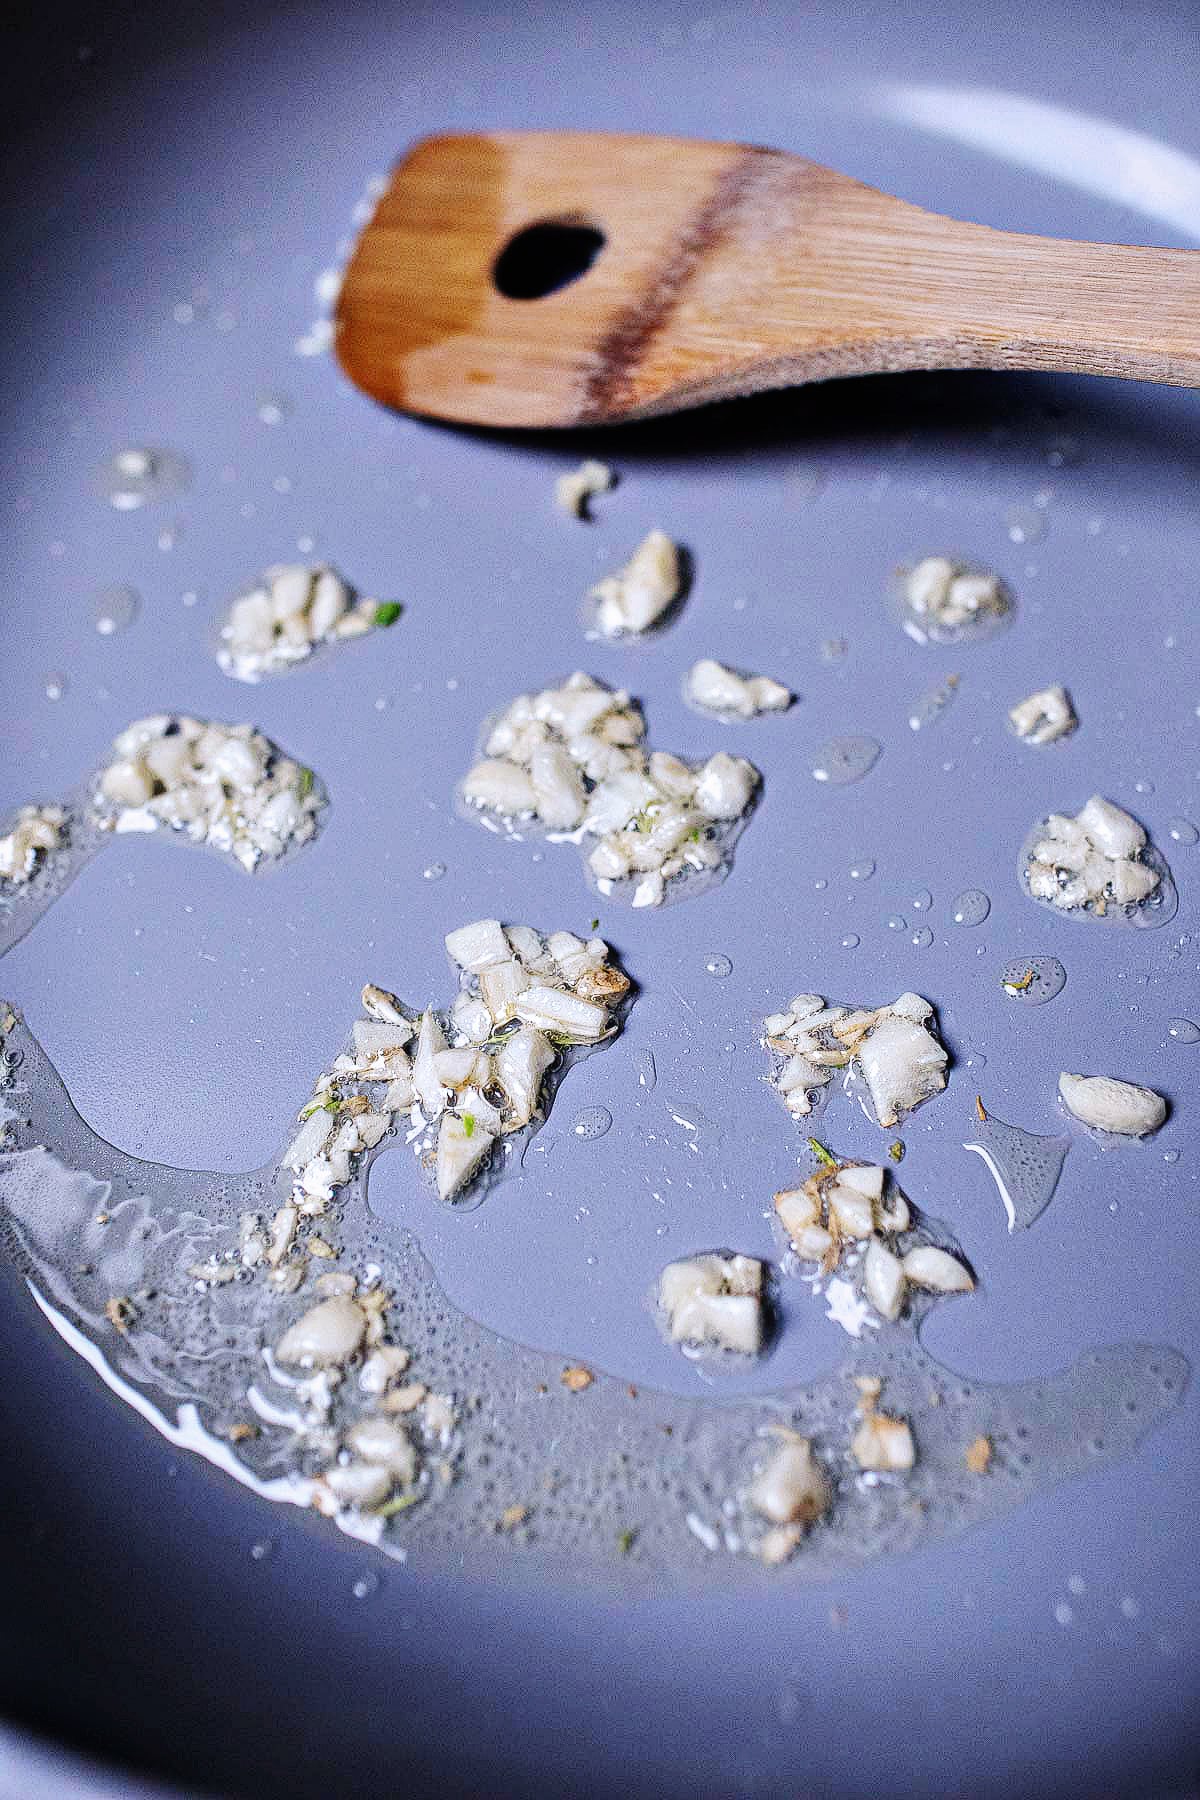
pixel 925 1266
pixel 715 1299
pixel 946 600
pixel 289 612
pixel 37 830
pixel 632 600
pixel 1093 861
pixel 713 688
pixel 792 1488
pixel 884 1279
pixel 1044 716
pixel 573 491
pixel 476 1072
pixel 571 760
pixel 1112 1105
pixel 226 786
pixel 884 1444
pixel 326 1336
pixel 893 1049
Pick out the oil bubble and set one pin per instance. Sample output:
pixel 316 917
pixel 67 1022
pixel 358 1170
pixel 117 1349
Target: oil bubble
pixel 922 900
pixel 592 1123
pixel 971 907
pixel 718 966
pixel 896 923
pixel 56 685
pixel 647 1070
pixel 1033 980
pixel 851 941
pixel 1183 1031
pixel 928 708
pixel 843 760
pixel 1182 831
pixel 433 871
pixel 921 938
pixel 1025 524
pixel 1024 1165
pixel 862 869
pixel 133 477
pixel 114 609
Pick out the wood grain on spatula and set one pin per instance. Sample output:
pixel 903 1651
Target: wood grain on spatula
pixel 723 270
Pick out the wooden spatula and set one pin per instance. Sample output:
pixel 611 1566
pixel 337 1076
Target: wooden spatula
pixel 572 278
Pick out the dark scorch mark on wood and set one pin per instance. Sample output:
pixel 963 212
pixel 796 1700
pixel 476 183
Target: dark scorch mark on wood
pixel 622 349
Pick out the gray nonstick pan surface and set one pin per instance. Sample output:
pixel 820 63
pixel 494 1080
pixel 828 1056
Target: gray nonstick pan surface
pixel 177 182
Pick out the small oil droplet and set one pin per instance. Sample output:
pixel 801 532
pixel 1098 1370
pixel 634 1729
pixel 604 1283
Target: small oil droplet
pixel 1033 980
pixel 1143 787
pixel 114 609
pixel 365 1585
pixel 433 871
pixel 1025 524
pixel 921 938
pixel 929 707
pixel 862 869
pixel 719 966
pixel 971 907
pixel 260 1550
pixel 850 941
pixel 1182 831
pixel 833 650
pixel 1170 1156
pixel 273 408
pixel 1183 1031
pixel 592 1123
pixel 647 1071
pixel 896 923
pixel 922 900
pixel 843 760
pixel 56 685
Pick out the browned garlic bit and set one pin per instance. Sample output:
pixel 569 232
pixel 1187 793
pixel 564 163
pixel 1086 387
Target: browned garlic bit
pixel 715 689
pixel 883 1444
pixel 847 1206
pixel 571 760
pixel 290 611
pixel 635 598
pixel 946 600
pixel 37 830
pixel 1092 861
pixel 791 1491
pixel 1111 1105
pixel 476 1073
pixel 573 491
pixel 226 786
pixel 893 1049
pixel 1044 716
pixel 713 1299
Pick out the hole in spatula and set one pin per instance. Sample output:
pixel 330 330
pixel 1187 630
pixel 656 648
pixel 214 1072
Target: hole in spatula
pixel 541 259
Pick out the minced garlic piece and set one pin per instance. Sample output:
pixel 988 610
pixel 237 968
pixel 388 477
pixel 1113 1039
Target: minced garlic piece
pixel 37 830
pixel 475 1073
pixel 635 598
pixel 1044 716
pixel 978 1455
pixel 227 786
pixel 573 491
pixel 883 1444
pixel 713 1299
pixel 1093 861
pixel 713 688
pixel 892 1048
pixel 791 1488
pixel 947 600
pixel 1112 1105
pixel 290 611
pixel 571 759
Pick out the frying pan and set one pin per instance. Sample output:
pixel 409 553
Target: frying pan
pixel 176 184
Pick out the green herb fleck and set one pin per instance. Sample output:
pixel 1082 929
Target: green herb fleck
pixel 626 1540
pixel 388 613
pixel 329 1103
pixel 595 925
pixel 468 1120
pixel 306 783
pixel 400 1504
pixel 694 835
pixel 896 1151
pixel 822 1154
